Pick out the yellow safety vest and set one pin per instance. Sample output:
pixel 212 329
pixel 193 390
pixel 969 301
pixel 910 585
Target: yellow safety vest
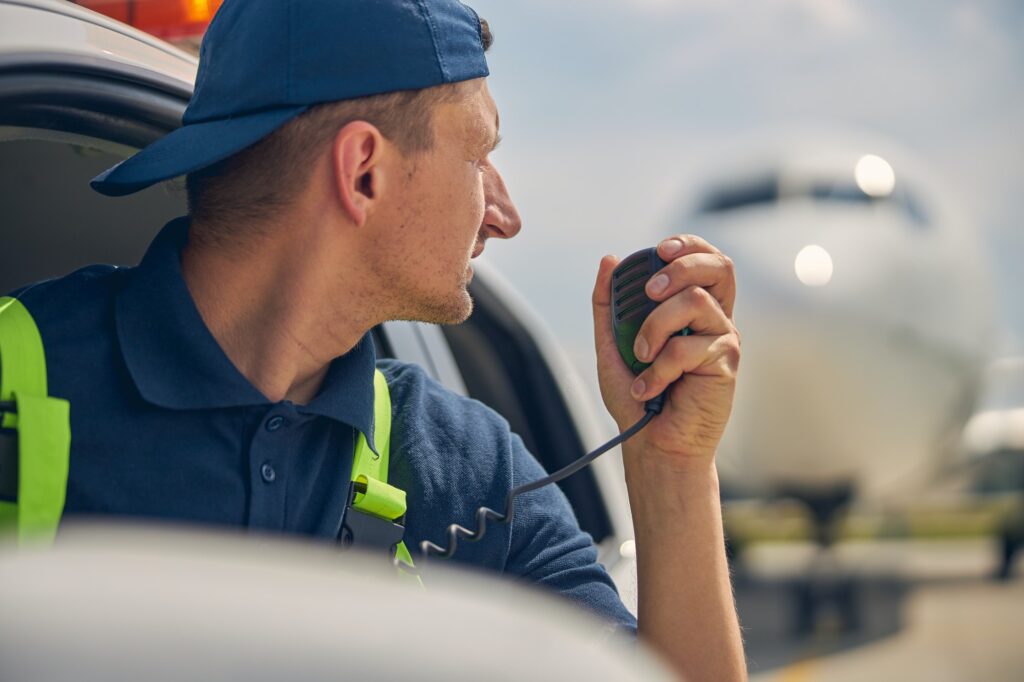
pixel 34 461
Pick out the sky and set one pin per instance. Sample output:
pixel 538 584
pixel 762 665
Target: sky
pixel 613 111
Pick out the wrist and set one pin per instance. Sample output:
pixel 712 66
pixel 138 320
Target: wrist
pixel 645 460
pixel 658 487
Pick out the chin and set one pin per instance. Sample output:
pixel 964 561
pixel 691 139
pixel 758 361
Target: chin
pixel 460 310
pixel 453 310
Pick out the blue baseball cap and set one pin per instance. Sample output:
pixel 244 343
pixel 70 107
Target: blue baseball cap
pixel 264 62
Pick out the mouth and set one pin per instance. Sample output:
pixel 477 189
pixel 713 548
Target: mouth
pixel 478 250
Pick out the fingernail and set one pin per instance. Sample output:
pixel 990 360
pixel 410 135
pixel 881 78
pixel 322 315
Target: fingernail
pixel 658 284
pixel 640 348
pixel 671 247
pixel 638 388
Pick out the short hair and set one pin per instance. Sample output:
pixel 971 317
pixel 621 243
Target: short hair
pixel 259 181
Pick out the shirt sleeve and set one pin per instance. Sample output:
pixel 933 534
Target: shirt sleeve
pixel 548 547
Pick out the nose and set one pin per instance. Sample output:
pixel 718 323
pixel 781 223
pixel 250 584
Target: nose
pixel 501 219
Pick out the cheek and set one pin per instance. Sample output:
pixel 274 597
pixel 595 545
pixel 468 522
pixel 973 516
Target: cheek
pixel 451 203
pixel 462 197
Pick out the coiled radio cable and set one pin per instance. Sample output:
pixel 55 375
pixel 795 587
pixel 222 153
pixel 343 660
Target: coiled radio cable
pixel 484 515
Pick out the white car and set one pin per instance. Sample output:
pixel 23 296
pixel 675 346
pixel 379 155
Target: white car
pixel 80 91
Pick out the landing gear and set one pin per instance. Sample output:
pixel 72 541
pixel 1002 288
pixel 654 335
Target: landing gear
pixel 1011 537
pixel 826 603
pixel 826 596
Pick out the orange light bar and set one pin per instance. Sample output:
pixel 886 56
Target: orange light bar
pixel 167 19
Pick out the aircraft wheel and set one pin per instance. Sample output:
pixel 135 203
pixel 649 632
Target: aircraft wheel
pixel 1011 539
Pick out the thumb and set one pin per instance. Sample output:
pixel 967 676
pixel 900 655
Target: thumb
pixel 613 376
pixel 604 340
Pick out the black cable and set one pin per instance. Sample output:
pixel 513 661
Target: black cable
pixel 484 514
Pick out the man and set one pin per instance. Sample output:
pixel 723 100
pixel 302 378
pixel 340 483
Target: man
pixel 339 176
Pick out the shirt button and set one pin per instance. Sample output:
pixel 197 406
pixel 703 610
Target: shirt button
pixel 268 473
pixel 274 423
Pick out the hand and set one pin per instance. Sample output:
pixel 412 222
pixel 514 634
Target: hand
pixel 699 369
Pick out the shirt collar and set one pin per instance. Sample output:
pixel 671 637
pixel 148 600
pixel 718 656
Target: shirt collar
pixel 176 362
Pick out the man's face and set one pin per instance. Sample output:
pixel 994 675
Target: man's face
pixel 449 200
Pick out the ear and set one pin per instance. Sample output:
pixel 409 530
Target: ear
pixel 356 155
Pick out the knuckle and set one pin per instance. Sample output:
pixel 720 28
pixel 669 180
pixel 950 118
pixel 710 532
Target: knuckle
pixel 727 352
pixel 695 244
pixel 697 296
pixel 731 352
pixel 728 265
pixel 677 268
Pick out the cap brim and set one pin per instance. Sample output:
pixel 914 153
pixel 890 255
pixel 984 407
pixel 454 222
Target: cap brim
pixel 189 149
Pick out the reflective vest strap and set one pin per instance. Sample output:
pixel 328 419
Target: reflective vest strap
pixel 44 443
pixel 43 424
pixel 367 462
pixel 22 363
pixel 371 468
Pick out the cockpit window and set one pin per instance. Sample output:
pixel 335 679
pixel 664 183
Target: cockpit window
pixel 840 192
pixel 761 191
pixel 766 190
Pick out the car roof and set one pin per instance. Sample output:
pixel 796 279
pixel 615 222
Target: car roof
pixel 50 32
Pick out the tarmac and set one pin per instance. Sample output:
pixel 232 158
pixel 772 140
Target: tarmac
pixel 881 610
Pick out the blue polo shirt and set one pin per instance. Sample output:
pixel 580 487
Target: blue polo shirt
pixel 165 427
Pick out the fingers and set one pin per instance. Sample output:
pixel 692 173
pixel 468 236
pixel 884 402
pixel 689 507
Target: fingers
pixel 692 261
pixel 693 307
pixel 693 355
pixel 711 271
pixel 696 308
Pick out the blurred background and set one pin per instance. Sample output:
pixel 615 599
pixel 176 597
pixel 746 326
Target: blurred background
pixel 860 161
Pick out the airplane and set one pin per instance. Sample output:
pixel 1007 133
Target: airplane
pixel 866 309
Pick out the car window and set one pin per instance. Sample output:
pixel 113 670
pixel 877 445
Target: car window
pixel 57 131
